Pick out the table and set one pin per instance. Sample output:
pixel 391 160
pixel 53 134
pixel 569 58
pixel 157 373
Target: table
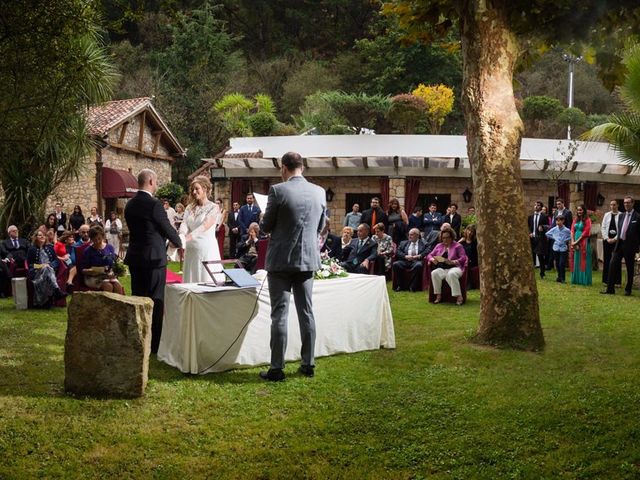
pixel 213 329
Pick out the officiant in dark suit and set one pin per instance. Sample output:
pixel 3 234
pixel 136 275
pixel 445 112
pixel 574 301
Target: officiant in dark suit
pixel 294 217
pixel 149 228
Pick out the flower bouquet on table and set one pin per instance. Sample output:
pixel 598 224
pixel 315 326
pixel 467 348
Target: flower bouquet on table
pixel 329 268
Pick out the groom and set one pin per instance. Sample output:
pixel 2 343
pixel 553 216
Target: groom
pixel 147 254
pixel 294 217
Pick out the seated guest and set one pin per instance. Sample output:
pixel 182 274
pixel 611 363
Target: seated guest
pixel 83 236
pixel 448 262
pixel 330 244
pixel 360 252
pixel 470 245
pixel 51 222
pixel 66 254
pixel 14 248
pixel 43 265
pixel 416 220
pixel 397 221
pixel 345 240
pixel 248 248
pixel 97 262
pixel 384 249
pixel 52 236
pixel 410 256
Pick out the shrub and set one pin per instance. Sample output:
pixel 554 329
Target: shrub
pixel 171 191
pixel 405 112
pixel 262 124
pixel 572 116
pixel 439 100
pixel 541 108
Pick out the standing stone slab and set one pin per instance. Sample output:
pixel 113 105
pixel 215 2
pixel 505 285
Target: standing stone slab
pixel 108 343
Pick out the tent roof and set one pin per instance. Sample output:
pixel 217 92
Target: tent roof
pixel 415 155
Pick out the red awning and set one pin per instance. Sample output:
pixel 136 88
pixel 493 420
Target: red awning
pixel 118 183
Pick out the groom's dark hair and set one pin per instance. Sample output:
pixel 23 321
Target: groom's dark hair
pixel 292 160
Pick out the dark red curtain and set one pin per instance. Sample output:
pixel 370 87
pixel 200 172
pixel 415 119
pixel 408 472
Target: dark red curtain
pixel 411 192
pixel 590 195
pixel 266 183
pixel 563 192
pixel 384 193
pixel 237 195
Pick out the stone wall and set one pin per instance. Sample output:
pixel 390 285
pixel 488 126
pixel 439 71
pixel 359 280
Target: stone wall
pixel 82 191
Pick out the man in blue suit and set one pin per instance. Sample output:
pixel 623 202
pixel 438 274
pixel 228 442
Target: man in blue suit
pixel 249 214
pixel 432 219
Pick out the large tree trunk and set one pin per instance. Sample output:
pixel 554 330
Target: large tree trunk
pixel 509 314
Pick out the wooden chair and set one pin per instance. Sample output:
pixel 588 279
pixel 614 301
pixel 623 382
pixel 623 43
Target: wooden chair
pixel 446 289
pixel 78 281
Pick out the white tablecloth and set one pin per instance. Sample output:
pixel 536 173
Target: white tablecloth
pixel 202 323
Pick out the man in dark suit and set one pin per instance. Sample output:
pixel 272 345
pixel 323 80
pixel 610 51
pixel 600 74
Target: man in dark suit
pixel 247 248
pixel 234 230
pixel 61 218
pixel 410 256
pixel 374 215
pixel 360 252
pixel 538 225
pixel 626 247
pixel 146 256
pixel 294 217
pixel 454 219
pixel 432 220
pixel 13 253
pixel 249 213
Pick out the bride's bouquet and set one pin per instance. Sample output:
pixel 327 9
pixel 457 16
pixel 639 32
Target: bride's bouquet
pixel 330 268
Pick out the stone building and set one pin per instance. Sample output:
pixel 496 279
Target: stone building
pixel 419 169
pixel 130 135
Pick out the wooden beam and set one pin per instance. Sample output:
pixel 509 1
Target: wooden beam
pixel 604 165
pixel 143 118
pixel 305 163
pixel 574 166
pixel 275 163
pixel 365 162
pixel 546 165
pixel 396 162
pixel 629 170
pixel 426 162
pixel 247 164
pixel 127 148
pixel 334 162
pixel 456 163
pixel 156 141
pixel 123 132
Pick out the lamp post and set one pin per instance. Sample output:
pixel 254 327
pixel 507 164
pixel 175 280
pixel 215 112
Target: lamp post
pixel 571 60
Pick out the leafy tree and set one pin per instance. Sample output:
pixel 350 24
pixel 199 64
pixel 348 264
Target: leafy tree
pixel 311 77
pixel 538 110
pixel 405 112
pixel 439 101
pixel 318 114
pixel 361 111
pixel 53 67
pixel 622 130
pixel 262 124
pixel 494 35
pixel 236 112
pixel 171 191
pixel 573 117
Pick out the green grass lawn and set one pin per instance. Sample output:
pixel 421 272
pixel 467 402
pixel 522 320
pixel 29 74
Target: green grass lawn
pixel 435 407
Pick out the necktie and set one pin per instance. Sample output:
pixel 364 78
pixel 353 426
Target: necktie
pixel 373 219
pixel 625 225
pixel 15 243
pixel 360 243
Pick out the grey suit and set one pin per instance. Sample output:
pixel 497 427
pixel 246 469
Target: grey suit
pixel 294 216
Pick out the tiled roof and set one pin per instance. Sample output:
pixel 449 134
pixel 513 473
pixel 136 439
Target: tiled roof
pixel 103 117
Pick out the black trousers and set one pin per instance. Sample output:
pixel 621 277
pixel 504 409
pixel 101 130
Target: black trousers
pixel 150 282
pixel 415 274
pixel 615 268
pixel 607 250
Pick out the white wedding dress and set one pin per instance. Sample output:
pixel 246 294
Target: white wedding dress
pixel 200 222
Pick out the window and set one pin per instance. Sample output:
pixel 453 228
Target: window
pixel 442 200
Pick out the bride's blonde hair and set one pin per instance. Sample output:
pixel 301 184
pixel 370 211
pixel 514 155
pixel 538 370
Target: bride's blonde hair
pixel 205 183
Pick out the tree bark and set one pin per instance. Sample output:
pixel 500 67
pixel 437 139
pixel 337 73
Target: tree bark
pixel 509 314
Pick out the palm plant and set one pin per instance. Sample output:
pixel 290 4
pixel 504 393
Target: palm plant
pixel 622 130
pixel 59 73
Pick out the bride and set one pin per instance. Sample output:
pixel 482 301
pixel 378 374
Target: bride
pixel 199 231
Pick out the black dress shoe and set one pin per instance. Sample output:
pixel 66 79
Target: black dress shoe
pixel 307 370
pixel 273 375
pixel 627 294
pixel 59 294
pixel 606 293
